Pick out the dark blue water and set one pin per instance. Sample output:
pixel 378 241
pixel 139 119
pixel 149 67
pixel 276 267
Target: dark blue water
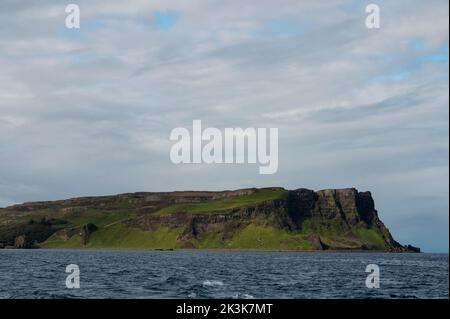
pixel 218 274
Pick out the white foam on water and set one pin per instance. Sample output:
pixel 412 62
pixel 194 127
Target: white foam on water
pixel 212 283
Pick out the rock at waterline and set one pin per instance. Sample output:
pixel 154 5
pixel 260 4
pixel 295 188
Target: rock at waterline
pixel 86 231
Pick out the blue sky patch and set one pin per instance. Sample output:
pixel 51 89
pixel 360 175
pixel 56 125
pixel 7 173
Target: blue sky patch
pixel 416 44
pixel 440 55
pixel 81 58
pixel 166 20
pixel 287 27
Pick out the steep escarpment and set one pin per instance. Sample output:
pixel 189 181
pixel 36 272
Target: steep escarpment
pixel 270 218
pixel 345 217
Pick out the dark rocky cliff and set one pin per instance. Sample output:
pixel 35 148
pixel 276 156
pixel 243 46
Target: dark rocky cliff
pixel 344 208
pixel 338 212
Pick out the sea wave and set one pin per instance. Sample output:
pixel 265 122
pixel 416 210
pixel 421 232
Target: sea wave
pixel 212 283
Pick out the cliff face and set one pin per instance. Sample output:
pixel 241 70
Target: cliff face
pixel 329 219
pixel 270 218
pixel 349 211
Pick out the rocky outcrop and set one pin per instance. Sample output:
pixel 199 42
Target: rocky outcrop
pixel 316 242
pixel 347 204
pixel 34 231
pixel 86 231
pixel 21 242
pixel 410 248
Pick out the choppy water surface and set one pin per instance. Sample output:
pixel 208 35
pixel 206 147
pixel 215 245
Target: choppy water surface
pixel 219 274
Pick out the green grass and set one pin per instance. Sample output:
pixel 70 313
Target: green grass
pixel 255 237
pixel 114 234
pixel 121 236
pixel 329 228
pixel 100 218
pixel 260 195
pixel 73 242
pixel 259 237
pixel 373 239
pixel 332 233
pixel 251 237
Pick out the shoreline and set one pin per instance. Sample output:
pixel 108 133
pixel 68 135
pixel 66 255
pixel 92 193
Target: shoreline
pixel 224 250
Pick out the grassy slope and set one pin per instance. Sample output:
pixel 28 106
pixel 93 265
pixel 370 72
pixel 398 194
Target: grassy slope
pixel 225 203
pixel 114 234
pixel 120 236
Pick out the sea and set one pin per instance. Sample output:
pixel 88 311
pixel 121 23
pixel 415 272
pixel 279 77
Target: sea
pixel 56 274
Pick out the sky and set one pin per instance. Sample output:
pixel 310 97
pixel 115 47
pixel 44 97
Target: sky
pixel 89 111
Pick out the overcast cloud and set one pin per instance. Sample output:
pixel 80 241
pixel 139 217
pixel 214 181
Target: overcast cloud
pixel 89 111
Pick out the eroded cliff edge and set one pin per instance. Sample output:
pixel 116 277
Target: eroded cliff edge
pixel 269 218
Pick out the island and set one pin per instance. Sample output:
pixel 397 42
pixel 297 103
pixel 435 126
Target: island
pixel 256 219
